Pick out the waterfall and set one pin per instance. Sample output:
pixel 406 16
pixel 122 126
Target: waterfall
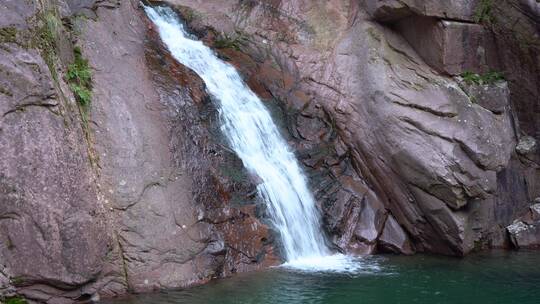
pixel 256 140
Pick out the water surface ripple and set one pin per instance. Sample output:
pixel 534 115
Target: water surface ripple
pixel 488 278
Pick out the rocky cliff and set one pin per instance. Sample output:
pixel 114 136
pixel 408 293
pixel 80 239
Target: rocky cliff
pixel 415 120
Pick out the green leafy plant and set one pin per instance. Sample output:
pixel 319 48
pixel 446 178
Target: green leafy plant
pixel 479 79
pixel 484 12
pixel 15 300
pixel 79 78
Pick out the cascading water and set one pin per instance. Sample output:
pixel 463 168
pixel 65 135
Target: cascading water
pixel 255 138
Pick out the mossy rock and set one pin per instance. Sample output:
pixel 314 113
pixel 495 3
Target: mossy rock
pixel 235 173
pixel 8 35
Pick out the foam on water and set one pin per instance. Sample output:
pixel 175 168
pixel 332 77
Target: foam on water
pixel 255 138
pixel 332 263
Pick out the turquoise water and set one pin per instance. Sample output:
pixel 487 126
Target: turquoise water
pixel 495 277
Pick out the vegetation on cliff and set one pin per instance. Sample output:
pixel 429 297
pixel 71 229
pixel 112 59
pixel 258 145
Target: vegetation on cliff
pixel 79 78
pixel 482 79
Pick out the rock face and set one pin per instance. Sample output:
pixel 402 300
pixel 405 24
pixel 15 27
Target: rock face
pixel 366 106
pixel 48 212
pixel 138 191
pixel 134 193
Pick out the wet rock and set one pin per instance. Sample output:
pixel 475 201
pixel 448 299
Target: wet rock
pixel 228 211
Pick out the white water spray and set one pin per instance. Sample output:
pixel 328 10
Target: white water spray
pixel 255 138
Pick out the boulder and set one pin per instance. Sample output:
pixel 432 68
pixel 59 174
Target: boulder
pixel 494 97
pixel 370 221
pixel 394 239
pixel 355 218
pixel 527 146
pixel 535 212
pixel 523 235
pixel 525 231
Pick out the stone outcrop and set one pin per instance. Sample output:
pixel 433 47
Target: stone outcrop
pixel 391 10
pixel 476 50
pixel 525 232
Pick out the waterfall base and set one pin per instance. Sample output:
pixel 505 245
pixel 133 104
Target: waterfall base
pixel 337 263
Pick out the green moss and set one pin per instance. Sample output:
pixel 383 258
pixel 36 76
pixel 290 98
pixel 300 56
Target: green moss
pixel 373 33
pixel 8 34
pixel 79 78
pixel 479 79
pixel 484 12
pixel 15 300
pixel 9 243
pixel 45 39
pixel 236 174
pixel 52 24
pixel 230 42
pixel 5 91
pixel 17 280
pixel 187 13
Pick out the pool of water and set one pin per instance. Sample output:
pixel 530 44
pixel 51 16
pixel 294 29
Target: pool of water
pixel 494 277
